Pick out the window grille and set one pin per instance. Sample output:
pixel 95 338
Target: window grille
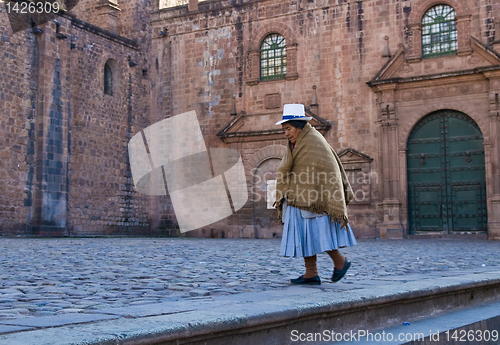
pixel 439 31
pixel 273 57
pixel 108 80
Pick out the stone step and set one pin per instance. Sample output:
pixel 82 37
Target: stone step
pixel 269 317
pixel 475 325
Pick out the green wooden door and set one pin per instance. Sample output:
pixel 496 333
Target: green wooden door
pixel 446 175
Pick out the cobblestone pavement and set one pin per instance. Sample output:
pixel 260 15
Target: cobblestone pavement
pixel 40 277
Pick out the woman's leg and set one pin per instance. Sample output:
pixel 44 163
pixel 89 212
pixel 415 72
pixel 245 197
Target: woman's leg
pixel 311 269
pixel 338 259
pixel 340 263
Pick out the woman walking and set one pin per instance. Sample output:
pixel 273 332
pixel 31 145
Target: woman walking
pixel 312 193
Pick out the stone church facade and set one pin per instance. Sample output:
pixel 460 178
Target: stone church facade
pixel 406 92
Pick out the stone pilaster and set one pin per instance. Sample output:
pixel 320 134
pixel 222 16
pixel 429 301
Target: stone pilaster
pixel 193 5
pixel 463 35
pixel 253 68
pixel 494 128
pixel 391 226
pixel 51 174
pixel 494 210
pixel 291 68
pixel 415 43
pixel 107 10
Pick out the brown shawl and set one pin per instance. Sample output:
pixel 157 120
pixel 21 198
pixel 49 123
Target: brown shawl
pixel 312 178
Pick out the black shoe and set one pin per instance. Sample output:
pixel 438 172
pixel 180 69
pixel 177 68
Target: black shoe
pixel 307 281
pixel 338 274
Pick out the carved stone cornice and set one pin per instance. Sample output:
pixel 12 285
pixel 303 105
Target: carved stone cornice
pixel 464 18
pixel 416 26
pixel 492 74
pixel 108 3
pixel 389 124
pixel 495 115
pixel 234 130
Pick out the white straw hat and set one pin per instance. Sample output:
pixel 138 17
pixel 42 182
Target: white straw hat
pixel 293 112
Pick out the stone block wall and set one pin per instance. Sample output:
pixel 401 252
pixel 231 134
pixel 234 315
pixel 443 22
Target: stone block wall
pixel 17 126
pixel 102 200
pixel 63 141
pixel 64 167
pixel 211 54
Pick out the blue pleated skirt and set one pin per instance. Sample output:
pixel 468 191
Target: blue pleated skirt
pixel 311 236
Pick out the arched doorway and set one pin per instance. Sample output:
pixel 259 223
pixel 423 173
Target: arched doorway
pixel 264 218
pixel 446 175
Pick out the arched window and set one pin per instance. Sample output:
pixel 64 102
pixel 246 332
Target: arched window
pixel 108 80
pixel 439 31
pixel 273 57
